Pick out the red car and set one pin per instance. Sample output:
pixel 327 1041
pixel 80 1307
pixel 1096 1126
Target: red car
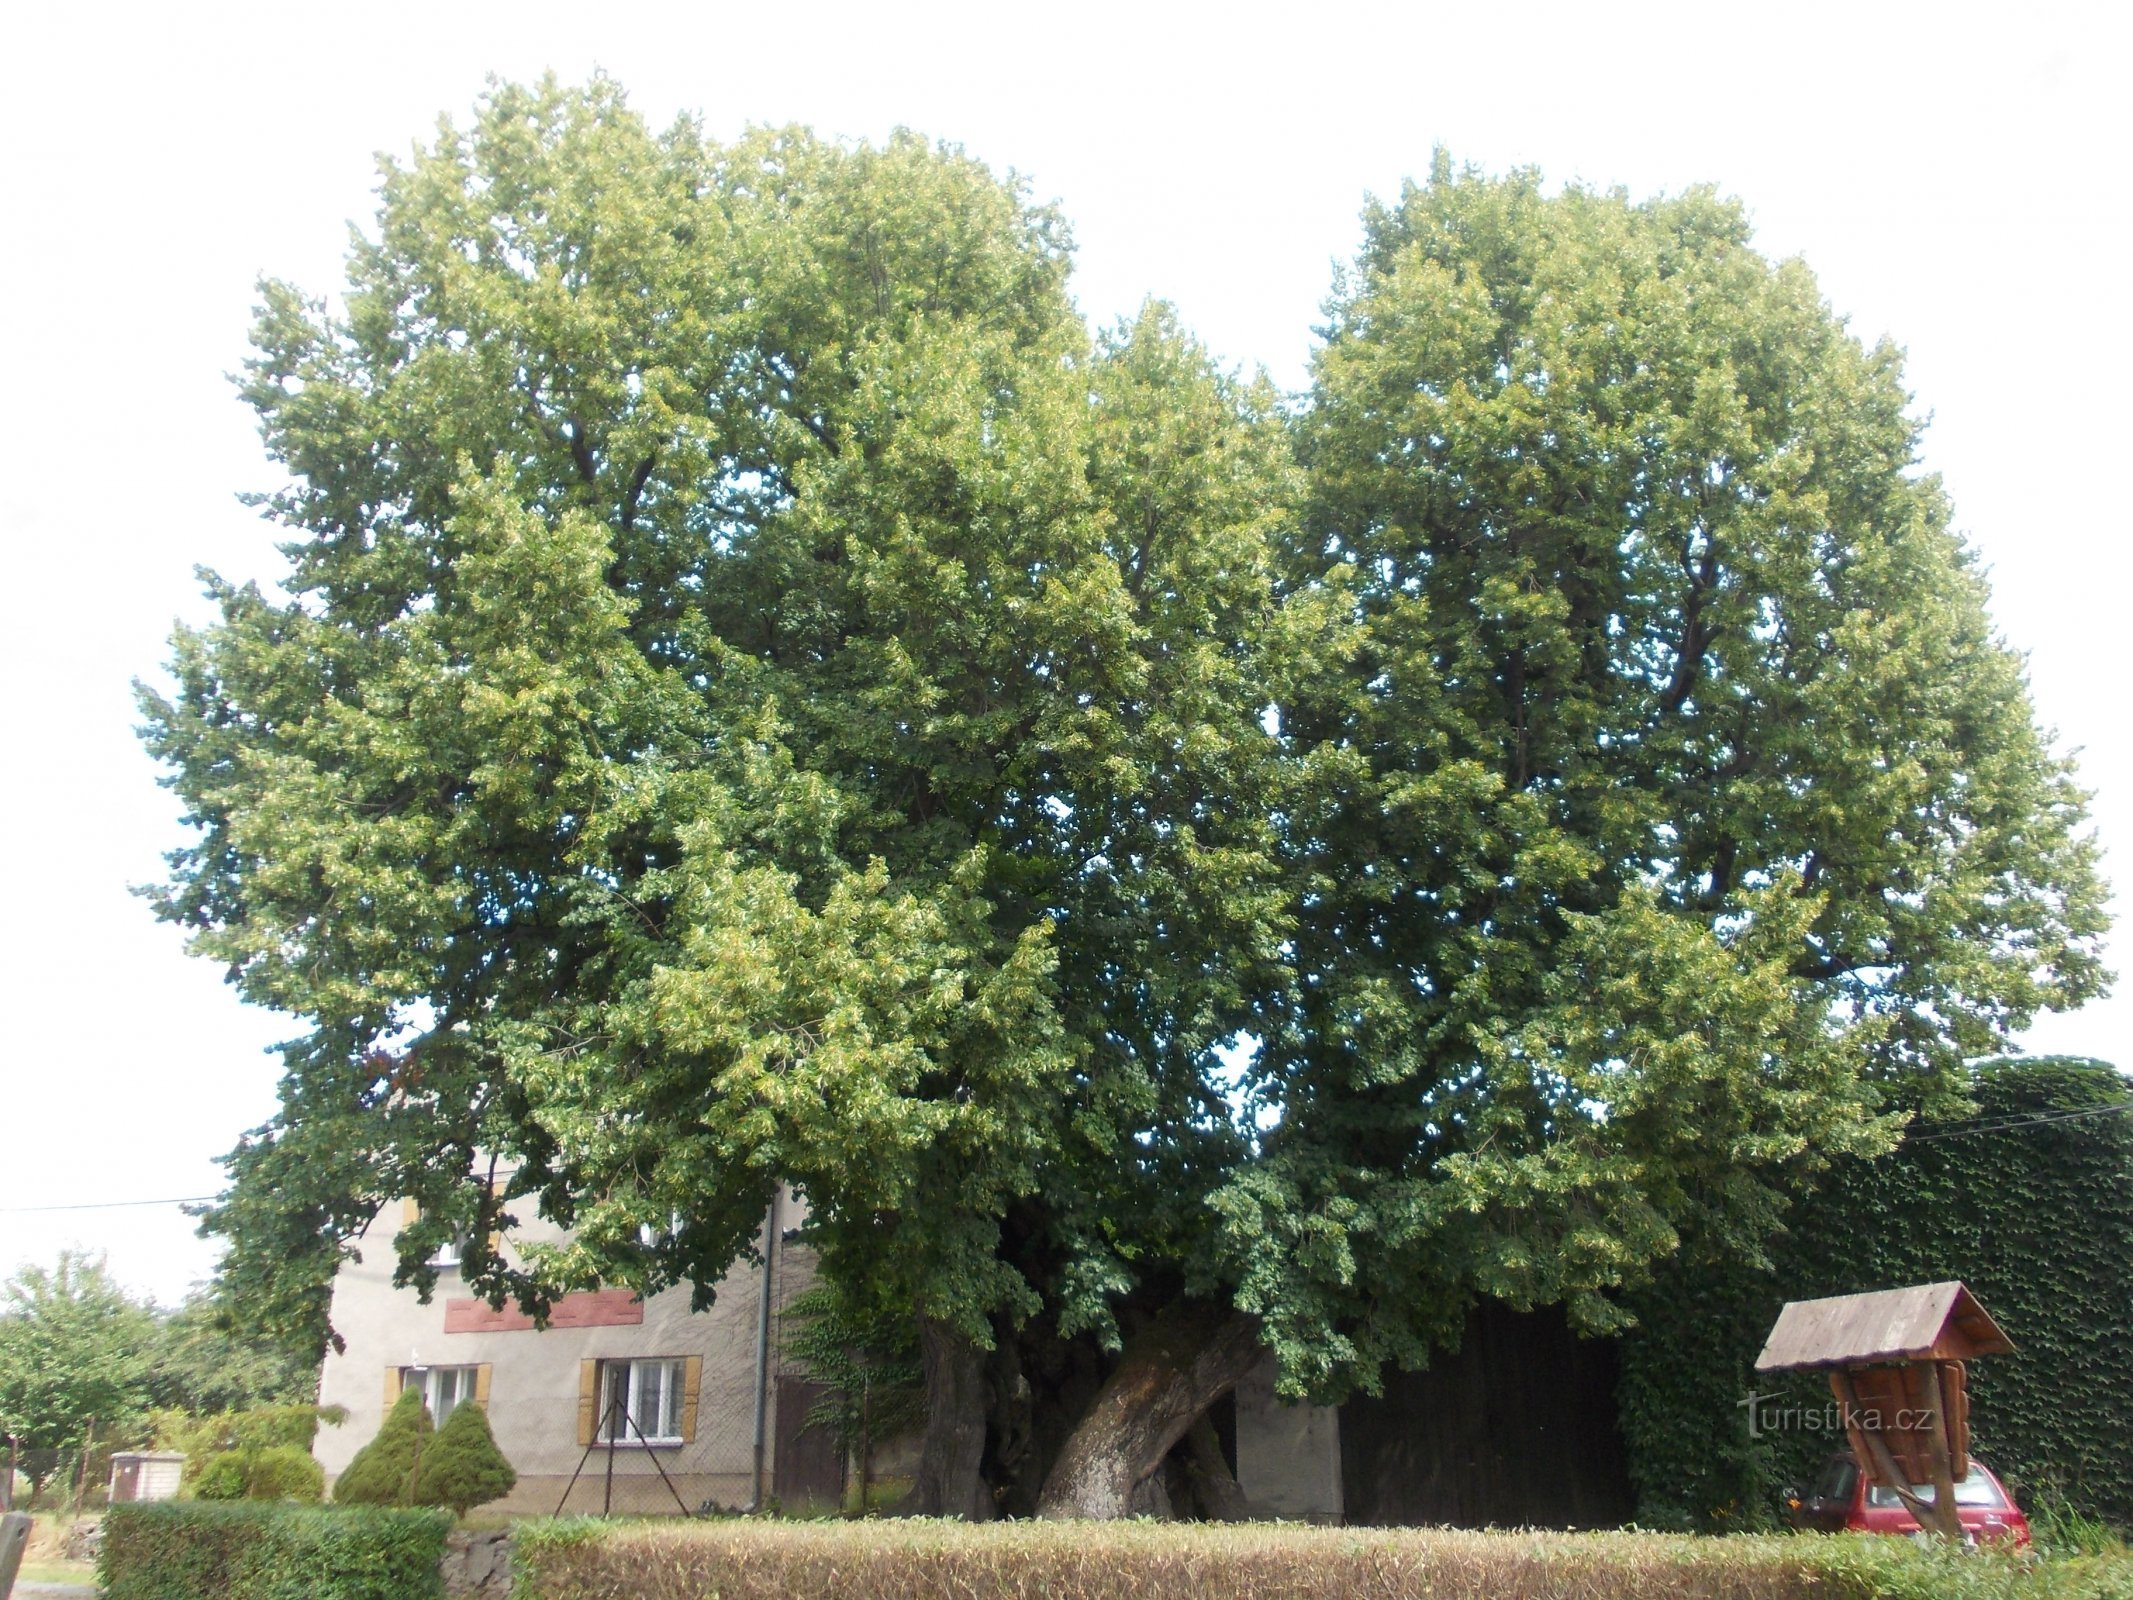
pixel 1842 1500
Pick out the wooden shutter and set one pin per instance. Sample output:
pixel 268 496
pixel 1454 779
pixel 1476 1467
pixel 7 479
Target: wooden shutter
pixel 588 1400
pixel 481 1383
pixel 410 1213
pixel 692 1384
pixel 393 1381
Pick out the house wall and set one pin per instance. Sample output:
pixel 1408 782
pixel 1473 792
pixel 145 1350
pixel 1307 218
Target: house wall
pixel 534 1379
pixel 1288 1456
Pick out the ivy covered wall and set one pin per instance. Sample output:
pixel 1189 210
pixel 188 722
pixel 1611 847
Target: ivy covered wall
pixel 2029 1201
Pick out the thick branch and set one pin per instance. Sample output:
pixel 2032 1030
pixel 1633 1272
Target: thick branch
pixel 634 496
pixel 1171 1372
pixel 581 454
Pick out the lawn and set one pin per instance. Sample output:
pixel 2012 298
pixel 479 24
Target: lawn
pixel 77 1572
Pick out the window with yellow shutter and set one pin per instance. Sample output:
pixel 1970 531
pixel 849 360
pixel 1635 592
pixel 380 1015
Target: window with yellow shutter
pixel 648 1401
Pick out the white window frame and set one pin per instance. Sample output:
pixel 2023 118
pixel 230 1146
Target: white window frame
pixel 640 1376
pixel 465 1382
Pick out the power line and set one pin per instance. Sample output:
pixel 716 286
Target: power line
pixel 113 1205
pixel 2009 1124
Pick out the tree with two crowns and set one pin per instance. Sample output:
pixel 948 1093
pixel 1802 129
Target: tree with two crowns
pixel 759 694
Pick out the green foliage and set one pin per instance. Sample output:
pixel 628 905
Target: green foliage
pixel 73 1346
pixel 2035 1216
pixel 759 694
pixel 272 1472
pixel 763 695
pixel 462 1467
pixel 866 1351
pixel 207 1359
pixel 258 1428
pixel 182 1550
pixel 220 1477
pixel 382 1473
pixel 1668 813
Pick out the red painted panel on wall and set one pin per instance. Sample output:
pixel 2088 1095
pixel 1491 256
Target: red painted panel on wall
pixel 601 1308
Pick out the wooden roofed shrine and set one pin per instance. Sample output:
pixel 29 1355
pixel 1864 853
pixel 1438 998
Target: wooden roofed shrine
pixel 1896 1364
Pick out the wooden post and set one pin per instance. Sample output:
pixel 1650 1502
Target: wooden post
pixel 1877 1448
pixel 81 1467
pixel 14 1540
pixel 1947 1520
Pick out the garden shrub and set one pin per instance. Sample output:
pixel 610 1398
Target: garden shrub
pixel 382 1472
pixel 461 1467
pixel 204 1439
pixel 285 1473
pixel 220 1477
pixel 277 1472
pixel 246 1550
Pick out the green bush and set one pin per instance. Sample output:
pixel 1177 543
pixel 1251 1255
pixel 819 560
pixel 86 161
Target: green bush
pixel 461 1467
pixel 285 1473
pixel 205 1439
pixel 278 1472
pixel 201 1550
pixel 382 1473
pixel 221 1477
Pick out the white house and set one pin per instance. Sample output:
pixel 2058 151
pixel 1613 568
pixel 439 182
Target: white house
pixel 642 1406
pixel 649 1406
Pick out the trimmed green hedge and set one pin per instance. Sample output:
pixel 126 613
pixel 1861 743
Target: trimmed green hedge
pixel 2029 1201
pixel 247 1550
pixel 914 1559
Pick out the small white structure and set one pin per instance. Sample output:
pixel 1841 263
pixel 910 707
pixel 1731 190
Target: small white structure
pixel 146 1474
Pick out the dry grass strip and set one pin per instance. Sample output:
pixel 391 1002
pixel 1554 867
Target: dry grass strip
pixel 919 1560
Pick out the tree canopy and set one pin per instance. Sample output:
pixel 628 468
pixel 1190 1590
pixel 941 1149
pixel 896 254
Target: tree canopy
pixel 760 694
pixel 1673 820
pixel 73 1349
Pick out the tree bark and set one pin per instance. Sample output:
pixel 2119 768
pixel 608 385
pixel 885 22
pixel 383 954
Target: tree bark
pixel 1171 1372
pixel 1213 1484
pixel 951 1481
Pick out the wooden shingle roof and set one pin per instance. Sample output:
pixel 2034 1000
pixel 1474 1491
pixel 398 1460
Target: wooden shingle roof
pixel 1926 1322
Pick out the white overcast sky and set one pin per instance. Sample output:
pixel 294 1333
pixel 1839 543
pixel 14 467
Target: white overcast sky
pixel 1954 173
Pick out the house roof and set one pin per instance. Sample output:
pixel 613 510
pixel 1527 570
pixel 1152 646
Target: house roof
pixel 1928 1321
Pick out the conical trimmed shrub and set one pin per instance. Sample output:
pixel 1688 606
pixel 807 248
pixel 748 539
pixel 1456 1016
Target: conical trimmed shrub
pixel 382 1470
pixel 461 1467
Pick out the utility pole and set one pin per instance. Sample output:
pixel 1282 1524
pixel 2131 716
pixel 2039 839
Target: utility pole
pixel 762 1348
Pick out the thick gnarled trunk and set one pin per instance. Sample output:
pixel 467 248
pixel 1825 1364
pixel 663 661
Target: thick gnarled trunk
pixel 951 1480
pixel 1170 1373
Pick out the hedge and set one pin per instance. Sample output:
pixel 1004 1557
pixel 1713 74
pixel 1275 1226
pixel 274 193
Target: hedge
pixel 249 1550
pixel 583 1559
pixel 2029 1201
